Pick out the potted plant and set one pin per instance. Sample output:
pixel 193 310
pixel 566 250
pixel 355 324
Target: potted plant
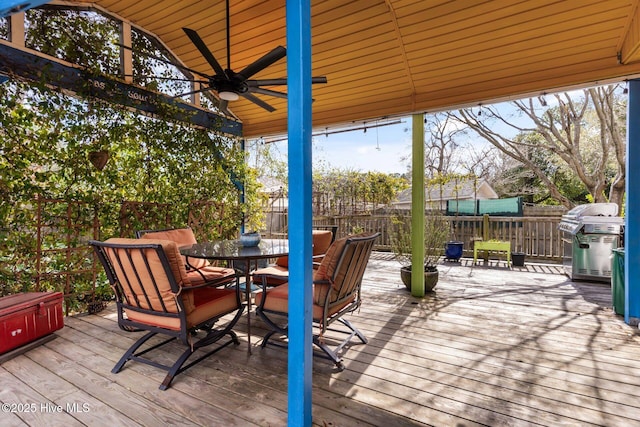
pixel 251 235
pixel 436 233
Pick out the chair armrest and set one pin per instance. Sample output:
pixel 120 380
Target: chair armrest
pixel 210 284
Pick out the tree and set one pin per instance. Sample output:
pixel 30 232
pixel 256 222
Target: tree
pixel 347 192
pixel 46 137
pixel 585 134
pixel 448 152
pixel 440 144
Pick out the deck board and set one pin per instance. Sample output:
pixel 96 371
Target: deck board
pixel 492 346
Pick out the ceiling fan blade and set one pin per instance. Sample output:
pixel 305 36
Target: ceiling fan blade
pixel 223 107
pixel 268 92
pixel 267 82
pixel 258 101
pixel 281 82
pixel 202 89
pixel 262 63
pixel 204 50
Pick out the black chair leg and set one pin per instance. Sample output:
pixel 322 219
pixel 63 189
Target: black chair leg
pixel 266 339
pixel 130 354
pixel 175 369
pixel 354 329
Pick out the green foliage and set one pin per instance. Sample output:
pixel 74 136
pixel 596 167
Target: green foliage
pixel 436 231
pixel 521 181
pixel 80 37
pixel 47 137
pixel 4 28
pixel 345 192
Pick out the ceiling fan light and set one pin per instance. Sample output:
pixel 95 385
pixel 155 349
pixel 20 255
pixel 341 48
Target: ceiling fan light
pixel 228 95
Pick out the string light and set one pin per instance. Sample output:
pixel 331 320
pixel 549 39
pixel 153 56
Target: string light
pixel 542 99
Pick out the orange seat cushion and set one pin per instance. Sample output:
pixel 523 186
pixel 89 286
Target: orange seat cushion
pixel 210 303
pixel 276 275
pixel 277 300
pixel 321 240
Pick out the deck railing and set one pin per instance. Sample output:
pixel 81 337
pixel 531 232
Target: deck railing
pixel 537 237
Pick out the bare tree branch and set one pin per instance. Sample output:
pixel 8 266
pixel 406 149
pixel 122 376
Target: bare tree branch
pixel 585 134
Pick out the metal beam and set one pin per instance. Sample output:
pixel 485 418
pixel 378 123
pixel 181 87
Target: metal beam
pixel 34 66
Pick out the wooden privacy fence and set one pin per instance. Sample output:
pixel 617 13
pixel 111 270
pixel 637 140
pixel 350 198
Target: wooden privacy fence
pixel 538 237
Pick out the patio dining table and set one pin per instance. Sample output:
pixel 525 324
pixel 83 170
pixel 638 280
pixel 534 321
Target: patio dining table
pixel 234 251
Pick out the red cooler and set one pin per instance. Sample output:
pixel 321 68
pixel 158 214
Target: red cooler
pixel 27 317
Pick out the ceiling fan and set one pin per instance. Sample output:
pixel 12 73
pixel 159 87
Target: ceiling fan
pixel 231 85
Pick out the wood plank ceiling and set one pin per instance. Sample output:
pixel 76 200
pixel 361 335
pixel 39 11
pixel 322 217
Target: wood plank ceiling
pixel 396 57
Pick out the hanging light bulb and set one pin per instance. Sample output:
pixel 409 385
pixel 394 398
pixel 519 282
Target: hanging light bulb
pixel 626 87
pixel 479 109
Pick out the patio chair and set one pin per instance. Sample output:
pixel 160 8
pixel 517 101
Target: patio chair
pixel 278 273
pixel 154 294
pixel 200 271
pixel 336 292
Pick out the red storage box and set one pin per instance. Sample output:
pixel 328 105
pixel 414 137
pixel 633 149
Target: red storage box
pixel 27 317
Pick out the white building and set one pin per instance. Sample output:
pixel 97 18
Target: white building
pixel 436 196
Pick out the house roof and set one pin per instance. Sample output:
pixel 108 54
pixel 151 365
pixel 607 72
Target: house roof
pixel 452 190
pixel 396 57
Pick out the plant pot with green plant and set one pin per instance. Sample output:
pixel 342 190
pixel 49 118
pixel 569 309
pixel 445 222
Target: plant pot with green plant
pixel 436 232
pixel 254 219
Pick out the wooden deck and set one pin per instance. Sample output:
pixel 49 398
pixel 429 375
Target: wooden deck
pixel 492 346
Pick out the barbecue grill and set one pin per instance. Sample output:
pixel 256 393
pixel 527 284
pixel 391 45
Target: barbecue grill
pixel 590 233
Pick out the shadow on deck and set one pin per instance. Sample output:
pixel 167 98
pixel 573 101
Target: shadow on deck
pixel 491 346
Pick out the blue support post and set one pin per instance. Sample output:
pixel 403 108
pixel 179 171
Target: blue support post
pixel 632 209
pixel 300 216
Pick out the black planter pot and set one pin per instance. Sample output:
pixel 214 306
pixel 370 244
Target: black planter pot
pixel 430 278
pixel 517 259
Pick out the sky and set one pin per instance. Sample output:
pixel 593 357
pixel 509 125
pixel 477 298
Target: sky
pixel 379 149
pixel 384 148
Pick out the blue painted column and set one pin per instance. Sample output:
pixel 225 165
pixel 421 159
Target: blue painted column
pixel 632 209
pixel 300 215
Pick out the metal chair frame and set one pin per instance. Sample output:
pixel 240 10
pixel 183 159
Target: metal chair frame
pixel 344 288
pixel 150 289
